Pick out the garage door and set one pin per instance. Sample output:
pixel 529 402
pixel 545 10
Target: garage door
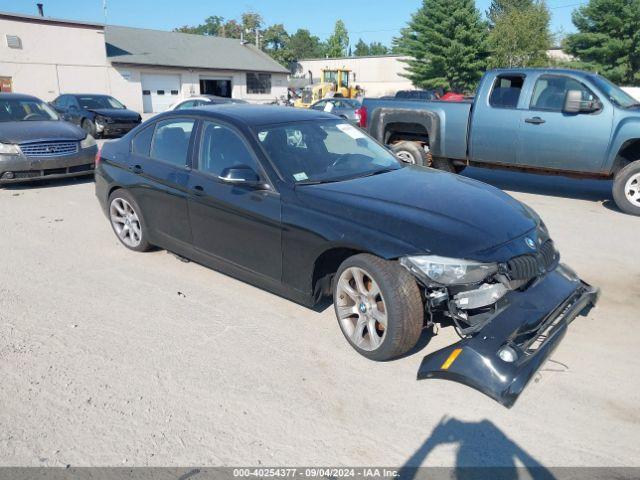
pixel 159 92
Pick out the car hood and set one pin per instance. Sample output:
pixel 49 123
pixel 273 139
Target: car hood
pixel 36 131
pixel 437 212
pixel 115 113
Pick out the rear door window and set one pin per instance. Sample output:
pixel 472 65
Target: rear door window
pixel 171 141
pixel 506 91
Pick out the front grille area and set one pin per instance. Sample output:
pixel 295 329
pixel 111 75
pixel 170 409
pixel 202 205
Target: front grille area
pixel 49 149
pixel 525 267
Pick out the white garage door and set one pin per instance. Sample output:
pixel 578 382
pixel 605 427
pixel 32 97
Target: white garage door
pixel 159 92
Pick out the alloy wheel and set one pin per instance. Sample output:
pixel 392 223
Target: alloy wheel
pixel 361 309
pixel 632 189
pixel 406 157
pixel 126 222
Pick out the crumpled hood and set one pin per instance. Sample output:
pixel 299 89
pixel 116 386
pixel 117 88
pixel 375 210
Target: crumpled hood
pixel 437 212
pixel 116 113
pixel 36 131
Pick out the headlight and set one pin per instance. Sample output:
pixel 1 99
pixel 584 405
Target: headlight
pixel 102 120
pixel 88 142
pixel 449 271
pixel 9 149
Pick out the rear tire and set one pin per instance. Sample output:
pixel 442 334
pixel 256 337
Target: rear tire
pixel 127 221
pixel 626 188
pixel 410 152
pixel 372 293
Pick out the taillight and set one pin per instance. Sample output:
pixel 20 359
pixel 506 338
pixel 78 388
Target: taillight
pixel 98 156
pixel 361 113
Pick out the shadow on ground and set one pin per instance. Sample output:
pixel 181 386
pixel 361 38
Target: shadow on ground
pixel 557 186
pixel 483 451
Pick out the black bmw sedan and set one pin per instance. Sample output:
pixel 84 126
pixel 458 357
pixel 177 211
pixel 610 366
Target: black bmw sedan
pixel 98 115
pixel 35 144
pixel 307 206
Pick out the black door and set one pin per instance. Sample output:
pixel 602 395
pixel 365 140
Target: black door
pixel 160 161
pixel 236 223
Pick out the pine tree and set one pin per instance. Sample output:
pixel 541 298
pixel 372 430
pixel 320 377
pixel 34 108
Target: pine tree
pixel 608 39
pixel 362 49
pixel 446 43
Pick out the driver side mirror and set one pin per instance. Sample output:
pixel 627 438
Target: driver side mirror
pixel 573 103
pixel 242 175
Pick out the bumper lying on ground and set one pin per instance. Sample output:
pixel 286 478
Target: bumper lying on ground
pixel 19 168
pixel 527 331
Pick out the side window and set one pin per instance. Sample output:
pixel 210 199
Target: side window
pixel 550 91
pixel 72 102
pixel 506 91
pixel 63 102
pixel 320 105
pixel 141 143
pixel 171 141
pixel 222 148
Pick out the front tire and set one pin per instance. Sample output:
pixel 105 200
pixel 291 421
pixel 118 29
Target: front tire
pixel 127 221
pixel 89 127
pixel 378 307
pixel 626 188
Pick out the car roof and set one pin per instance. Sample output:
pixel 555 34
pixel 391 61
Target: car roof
pixel 87 94
pixel 17 96
pixel 256 114
pixel 547 70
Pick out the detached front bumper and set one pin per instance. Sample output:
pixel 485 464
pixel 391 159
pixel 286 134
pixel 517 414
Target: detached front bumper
pixel 19 168
pixel 109 129
pixel 531 327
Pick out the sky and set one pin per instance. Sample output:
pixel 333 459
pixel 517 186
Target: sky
pixel 371 20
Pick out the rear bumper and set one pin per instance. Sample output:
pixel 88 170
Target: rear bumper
pixel 19 169
pixel 532 326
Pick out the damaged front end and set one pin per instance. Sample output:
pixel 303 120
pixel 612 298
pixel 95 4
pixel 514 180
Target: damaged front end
pixel 510 315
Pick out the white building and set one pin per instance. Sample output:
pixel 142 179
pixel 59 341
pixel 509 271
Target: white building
pixel 146 69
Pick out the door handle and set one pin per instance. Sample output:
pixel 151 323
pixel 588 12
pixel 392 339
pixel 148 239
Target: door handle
pixel 198 190
pixel 535 120
pixel 137 169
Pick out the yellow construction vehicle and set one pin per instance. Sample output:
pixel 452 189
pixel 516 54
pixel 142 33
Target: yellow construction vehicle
pixel 334 83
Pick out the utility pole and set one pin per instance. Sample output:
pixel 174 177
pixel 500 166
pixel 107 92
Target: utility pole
pixel 104 10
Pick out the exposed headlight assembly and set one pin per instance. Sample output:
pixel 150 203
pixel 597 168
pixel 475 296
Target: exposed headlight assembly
pixel 433 269
pixel 88 142
pixel 9 149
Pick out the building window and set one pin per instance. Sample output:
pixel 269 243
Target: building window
pixel 258 83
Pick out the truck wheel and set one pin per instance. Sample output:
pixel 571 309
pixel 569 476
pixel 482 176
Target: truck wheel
pixel 378 306
pixel 410 152
pixel 626 188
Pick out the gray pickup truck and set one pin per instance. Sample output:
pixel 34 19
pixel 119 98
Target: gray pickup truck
pixel 551 121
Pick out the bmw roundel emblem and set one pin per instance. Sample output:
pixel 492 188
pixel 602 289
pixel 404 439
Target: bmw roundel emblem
pixel 530 243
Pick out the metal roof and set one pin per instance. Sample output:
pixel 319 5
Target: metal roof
pixel 173 49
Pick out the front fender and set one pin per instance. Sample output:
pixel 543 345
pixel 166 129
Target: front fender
pixel 625 131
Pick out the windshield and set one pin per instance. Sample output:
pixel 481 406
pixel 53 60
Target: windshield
pixel 99 101
pixel 18 110
pixel 613 92
pixel 325 151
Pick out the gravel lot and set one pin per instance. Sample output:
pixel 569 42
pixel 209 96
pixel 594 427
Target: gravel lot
pixel 108 357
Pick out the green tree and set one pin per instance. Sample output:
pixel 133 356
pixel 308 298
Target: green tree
pixel 362 49
pixel 445 41
pixel 500 7
pixel 338 42
pixel 520 37
pixel 304 45
pixel 608 39
pixel 211 26
pixel 230 29
pixel 275 41
pixel 377 48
